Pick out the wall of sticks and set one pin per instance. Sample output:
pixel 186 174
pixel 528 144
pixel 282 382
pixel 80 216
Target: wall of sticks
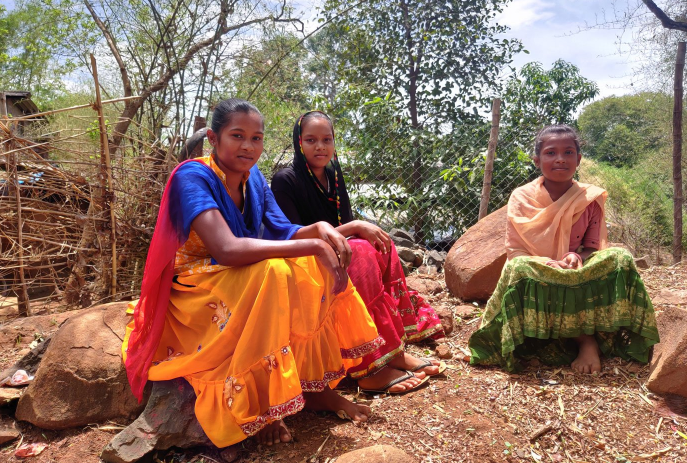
pixel 75 223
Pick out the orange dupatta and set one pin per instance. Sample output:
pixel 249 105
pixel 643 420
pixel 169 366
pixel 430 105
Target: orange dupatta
pixel 538 226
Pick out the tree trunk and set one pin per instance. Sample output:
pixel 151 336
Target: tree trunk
pixel 677 153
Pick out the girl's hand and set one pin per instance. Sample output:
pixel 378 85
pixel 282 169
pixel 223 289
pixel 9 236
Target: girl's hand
pixel 374 235
pixel 570 261
pixel 337 241
pixel 330 261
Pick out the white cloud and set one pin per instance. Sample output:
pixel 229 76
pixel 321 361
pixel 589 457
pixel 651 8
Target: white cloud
pixel 522 13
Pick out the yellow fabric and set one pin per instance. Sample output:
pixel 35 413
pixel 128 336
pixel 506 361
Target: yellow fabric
pixel 538 226
pixel 251 339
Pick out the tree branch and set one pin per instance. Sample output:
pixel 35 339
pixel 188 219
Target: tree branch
pixel 113 48
pixel 665 20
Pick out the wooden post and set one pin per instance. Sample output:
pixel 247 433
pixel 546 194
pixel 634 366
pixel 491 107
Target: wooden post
pixel 491 151
pixel 677 153
pixel 198 123
pixel 22 294
pixel 106 170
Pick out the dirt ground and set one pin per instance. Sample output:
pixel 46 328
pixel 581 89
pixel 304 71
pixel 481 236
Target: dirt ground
pixel 473 414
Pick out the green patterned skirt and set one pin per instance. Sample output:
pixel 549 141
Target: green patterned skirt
pixel 537 310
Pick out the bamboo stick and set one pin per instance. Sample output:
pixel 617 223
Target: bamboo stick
pixel 73 108
pixel 22 294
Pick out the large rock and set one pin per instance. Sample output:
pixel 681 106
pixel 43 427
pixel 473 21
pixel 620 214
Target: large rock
pixel 376 454
pixel 81 378
pixel 474 263
pixel 168 421
pixel 669 363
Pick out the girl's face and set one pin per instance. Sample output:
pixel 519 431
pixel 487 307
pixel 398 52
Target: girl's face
pixel 317 140
pixel 238 146
pixel 558 158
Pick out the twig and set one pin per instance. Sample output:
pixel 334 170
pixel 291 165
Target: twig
pixel 541 431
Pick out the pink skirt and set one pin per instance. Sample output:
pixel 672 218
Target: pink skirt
pixel 399 314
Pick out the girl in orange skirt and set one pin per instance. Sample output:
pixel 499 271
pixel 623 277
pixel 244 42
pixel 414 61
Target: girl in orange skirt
pixel 256 313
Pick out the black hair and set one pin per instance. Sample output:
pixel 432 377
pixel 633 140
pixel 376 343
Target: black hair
pixel 221 116
pixel 558 129
pixel 317 115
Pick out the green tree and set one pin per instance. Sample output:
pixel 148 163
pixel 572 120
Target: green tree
pixel 622 130
pixel 429 66
pixel 536 97
pixel 32 52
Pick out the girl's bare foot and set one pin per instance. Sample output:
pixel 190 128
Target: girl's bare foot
pixel 587 360
pixel 273 433
pixel 329 400
pixel 408 362
pixel 387 375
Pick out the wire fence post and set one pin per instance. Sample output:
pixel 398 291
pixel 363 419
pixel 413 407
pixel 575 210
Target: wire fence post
pixel 489 164
pixel 677 153
pixel 108 196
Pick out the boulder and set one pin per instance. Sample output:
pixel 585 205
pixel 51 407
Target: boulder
pixel 668 373
pixel 474 263
pixel 81 378
pixel 167 421
pixel 376 454
pixel 424 286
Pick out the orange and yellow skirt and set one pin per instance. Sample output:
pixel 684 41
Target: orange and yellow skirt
pixel 252 339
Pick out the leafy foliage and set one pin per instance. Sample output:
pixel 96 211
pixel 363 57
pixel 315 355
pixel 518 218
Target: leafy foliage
pixel 621 130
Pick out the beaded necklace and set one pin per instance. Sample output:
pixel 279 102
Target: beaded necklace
pixel 312 175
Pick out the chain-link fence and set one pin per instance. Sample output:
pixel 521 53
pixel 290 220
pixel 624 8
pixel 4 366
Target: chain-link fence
pixel 69 234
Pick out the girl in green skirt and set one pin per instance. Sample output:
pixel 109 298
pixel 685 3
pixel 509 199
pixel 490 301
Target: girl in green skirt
pixel 563 296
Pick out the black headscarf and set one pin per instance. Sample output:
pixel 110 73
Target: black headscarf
pixel 300 194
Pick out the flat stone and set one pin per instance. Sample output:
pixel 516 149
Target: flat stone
pixel 407 267
pixel 9 394
pixel 406 254
pixel 427 270
pixel 8 434
pixel 168 420
pixel 672 297
pixel 435 258
pixel 444 352
pixel 465 311
pixel 401 234
pixel 376 454
pixel 424 285
pixel 642 262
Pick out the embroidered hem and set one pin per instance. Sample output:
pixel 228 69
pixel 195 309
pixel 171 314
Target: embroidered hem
pixel 363 349
pixel 431 331
pixel 378 364
pixel 274 413
pixel 318 385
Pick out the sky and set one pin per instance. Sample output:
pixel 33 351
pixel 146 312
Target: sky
pixel 558 29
